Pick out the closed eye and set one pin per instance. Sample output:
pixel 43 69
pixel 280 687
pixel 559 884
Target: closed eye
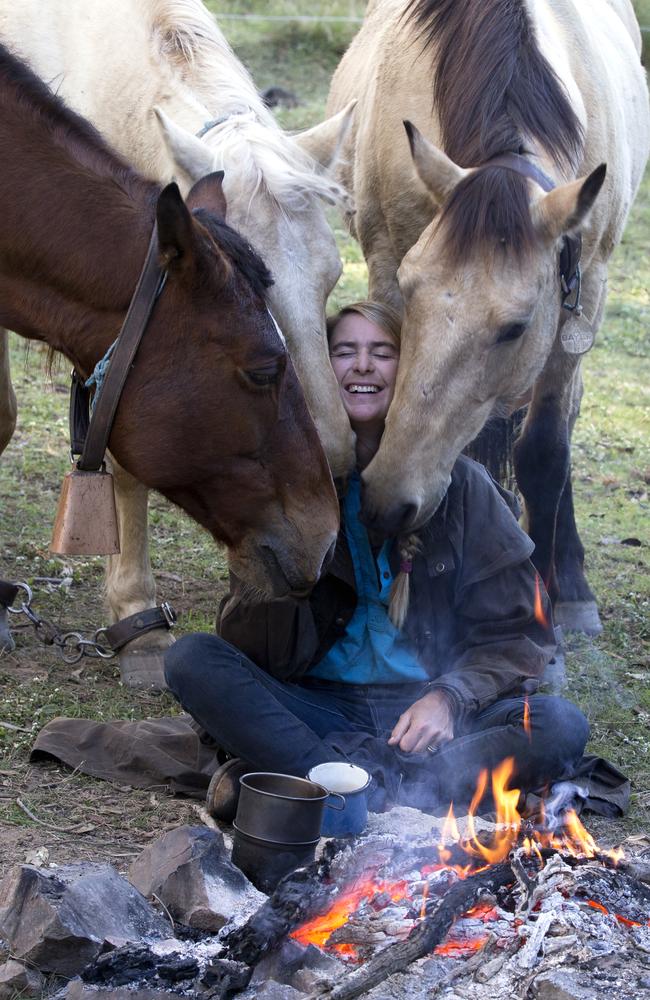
pixel 511 332
pixel 263 377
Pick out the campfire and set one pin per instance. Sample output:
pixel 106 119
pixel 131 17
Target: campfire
pixel 375 907
pixel 506 905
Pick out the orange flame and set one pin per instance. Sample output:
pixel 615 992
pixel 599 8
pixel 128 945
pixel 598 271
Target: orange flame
pixel 481 853
pixel 527 719
pixel 540 616
pixel 318 930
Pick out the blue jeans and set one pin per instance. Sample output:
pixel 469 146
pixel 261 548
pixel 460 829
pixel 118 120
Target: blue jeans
pixel 289 728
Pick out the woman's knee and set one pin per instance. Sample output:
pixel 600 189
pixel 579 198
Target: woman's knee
pixel 563 729
pixel 190 655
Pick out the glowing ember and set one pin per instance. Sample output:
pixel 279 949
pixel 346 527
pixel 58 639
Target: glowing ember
pixel 621 920
pixel 540 616
pixel 319 930
pixel 527 719
pixel 458 949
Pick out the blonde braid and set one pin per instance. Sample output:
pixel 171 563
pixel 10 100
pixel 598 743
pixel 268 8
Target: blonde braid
pixel 398 606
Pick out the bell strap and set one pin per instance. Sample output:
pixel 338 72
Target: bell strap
pixel 571 249
pixel 150 284
pixel 126 629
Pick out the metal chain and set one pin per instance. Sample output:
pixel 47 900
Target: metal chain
pixel 71 645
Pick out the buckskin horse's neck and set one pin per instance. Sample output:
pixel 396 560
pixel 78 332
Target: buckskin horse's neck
pixel 75 226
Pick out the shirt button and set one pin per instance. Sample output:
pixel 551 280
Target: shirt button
pixel 440 567
pixel 339 621
pixel 386 576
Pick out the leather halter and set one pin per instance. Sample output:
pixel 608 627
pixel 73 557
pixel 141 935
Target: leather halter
pixel 89 436
pixel 571 249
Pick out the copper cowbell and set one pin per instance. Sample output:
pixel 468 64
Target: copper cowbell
pixel 86 519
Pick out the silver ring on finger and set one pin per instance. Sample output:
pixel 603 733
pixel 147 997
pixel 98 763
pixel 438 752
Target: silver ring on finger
pixel 433 749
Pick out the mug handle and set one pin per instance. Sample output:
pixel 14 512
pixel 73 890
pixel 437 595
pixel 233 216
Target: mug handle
pixel 330 805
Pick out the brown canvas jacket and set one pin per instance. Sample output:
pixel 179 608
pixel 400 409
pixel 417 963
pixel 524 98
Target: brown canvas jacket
pixel 471 614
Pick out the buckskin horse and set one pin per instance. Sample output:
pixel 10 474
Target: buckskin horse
pixel 212 414
pixel 477 161
pixel 151 75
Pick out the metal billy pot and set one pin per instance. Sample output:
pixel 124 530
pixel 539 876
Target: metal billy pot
pixel 277 826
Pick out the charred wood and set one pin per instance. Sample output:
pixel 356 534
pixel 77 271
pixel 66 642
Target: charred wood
pixel 425 936
pixel 298 897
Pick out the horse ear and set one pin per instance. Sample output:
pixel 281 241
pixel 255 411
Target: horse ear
pixel 189 153
pixel 438 173
pixel 175 226
pixel 565 208
pixel 208 193
pixel 323 142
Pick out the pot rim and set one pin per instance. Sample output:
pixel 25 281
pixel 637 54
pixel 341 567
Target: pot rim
pixel 275 843
pixel 279 795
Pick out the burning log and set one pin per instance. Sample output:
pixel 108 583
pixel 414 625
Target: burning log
pixel 425 936
pixel 299 895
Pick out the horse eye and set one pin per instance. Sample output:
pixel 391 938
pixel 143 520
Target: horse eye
pixel 512 332
pixel 263 377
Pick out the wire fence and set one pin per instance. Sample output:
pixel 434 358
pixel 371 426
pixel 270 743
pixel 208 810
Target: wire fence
pixel 319 18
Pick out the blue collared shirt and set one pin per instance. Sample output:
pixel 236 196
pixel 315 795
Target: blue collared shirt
pixel 372 651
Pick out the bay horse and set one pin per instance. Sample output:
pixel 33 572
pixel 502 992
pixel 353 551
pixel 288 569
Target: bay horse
pixel 150 75
pixel 212 414
pixel 478 146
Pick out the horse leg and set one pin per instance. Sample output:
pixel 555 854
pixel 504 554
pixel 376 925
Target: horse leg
pixel 130 586
pixel 542 460
pixel 7 425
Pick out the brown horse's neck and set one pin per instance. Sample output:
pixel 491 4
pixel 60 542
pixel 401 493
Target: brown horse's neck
pixel 75 224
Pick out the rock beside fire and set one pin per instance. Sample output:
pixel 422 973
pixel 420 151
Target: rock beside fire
pixel 17 979
pixel 59 920
pixel 190 871
pixel 77 991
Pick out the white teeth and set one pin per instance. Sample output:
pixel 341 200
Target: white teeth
pixel 363 388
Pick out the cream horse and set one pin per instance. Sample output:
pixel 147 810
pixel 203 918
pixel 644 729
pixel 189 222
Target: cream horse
pixel 467 240
pixel 151 75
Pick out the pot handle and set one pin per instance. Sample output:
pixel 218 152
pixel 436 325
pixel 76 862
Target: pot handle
pixel 330 805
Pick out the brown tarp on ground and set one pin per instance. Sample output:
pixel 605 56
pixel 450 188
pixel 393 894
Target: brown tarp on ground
pixel 150 753
pixel 171 753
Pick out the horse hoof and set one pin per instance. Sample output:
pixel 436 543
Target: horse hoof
pixel 7 643
pixel 143 668
pixel 578 616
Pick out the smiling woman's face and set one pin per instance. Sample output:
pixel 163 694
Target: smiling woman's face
pixel 364 358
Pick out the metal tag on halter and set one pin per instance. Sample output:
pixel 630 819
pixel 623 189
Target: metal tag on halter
pixel 577 334
pixel 86 521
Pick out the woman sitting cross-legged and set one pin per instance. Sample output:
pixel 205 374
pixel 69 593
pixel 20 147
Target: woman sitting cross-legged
pixel 416 658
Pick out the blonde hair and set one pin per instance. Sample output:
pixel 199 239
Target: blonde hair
pixel 388 320
pixel 383 316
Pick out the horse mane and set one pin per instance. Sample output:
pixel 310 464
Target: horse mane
pixel 493 91
pixel 32 100
pixel 492 86
pixel 266 158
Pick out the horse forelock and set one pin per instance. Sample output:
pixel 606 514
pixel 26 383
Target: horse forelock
pixel 240 253
pixel 488 210
pixel 493 88
pixel 267 160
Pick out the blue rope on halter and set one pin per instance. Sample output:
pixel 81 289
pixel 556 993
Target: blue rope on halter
pixel 99 374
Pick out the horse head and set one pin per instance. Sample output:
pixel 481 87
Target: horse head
pixel 275 186
pixel 482 300
pixel 212 414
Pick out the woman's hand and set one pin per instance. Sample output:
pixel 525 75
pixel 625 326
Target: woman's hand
pixel 427 723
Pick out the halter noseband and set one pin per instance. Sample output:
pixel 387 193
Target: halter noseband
pixel 571 249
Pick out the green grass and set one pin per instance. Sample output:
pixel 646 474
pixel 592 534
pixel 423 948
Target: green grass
pixel 608 677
